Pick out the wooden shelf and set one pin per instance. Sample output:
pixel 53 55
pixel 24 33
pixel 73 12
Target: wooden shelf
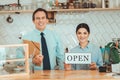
pixel 15 45
pixel 86 9
pixel 51 13
pixel 13 60
pixel 22 11
pixel 62 10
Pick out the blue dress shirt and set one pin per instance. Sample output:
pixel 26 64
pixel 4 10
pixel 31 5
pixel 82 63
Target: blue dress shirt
pixel 96 56
pixel 54 45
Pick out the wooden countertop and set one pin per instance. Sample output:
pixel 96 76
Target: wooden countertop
pixel 63 75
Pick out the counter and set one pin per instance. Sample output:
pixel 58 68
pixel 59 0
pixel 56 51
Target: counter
pixel 63 75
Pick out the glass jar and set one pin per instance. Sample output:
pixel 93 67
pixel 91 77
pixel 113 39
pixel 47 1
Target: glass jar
pixel 71 6
pixel 47 6
pixel 65 5
pixel 60 5
pixel 85 4
pixel 6 7
pixel 77 5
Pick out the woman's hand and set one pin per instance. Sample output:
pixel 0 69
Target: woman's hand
pixel 38 59
pixel 67 66
pixel 93 66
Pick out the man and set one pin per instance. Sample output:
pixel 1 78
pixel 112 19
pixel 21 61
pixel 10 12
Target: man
pixel 55 49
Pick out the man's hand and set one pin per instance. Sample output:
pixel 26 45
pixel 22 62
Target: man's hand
pixel 93 66
pixel 38 59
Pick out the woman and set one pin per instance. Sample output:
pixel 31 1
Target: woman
pixel 85 46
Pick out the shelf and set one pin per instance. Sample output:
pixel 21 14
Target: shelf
pixel 62 10
pixel 13 60
pixel 51 13
pixel 14 45
pixel 85 9
pixel 21 11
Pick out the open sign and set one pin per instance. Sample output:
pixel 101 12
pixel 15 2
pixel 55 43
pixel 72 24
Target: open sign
pixel 78 58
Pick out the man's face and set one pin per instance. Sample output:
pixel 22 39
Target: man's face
pixel 40 20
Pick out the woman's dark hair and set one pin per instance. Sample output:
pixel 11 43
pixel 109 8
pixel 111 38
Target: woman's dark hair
pixel 83 25
pixel 37 10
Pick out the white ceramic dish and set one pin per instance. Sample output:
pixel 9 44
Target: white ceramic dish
pixel 18 69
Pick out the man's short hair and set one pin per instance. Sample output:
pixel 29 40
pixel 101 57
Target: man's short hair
pixel 37 10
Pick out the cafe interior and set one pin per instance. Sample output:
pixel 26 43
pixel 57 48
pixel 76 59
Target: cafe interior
pixel 102 16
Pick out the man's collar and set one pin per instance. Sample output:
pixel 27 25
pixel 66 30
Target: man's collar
pixel 37 31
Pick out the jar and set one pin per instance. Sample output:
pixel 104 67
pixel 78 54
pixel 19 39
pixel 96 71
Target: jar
pixel 6 7
pixel 60 5
pixel 65 6
pixel 71 1
pixel 1 7
pixel 77 5
pixel 71 6
pixel 85 4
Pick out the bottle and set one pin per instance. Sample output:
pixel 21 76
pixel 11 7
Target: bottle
pixel 70 1
pixel 67 66
pixel 111 3
pixel 56 3
pixel 34 5
pixel 103 3
pixel 106 3
pixel 46 5
pixel 19 5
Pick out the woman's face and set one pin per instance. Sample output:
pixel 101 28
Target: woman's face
pixel 82 35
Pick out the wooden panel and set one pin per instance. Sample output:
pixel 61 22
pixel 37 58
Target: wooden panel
pixel 65 75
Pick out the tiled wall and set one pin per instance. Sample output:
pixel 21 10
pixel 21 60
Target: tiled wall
pixel 104 26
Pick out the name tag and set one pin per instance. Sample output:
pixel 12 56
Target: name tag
pixel 78 58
